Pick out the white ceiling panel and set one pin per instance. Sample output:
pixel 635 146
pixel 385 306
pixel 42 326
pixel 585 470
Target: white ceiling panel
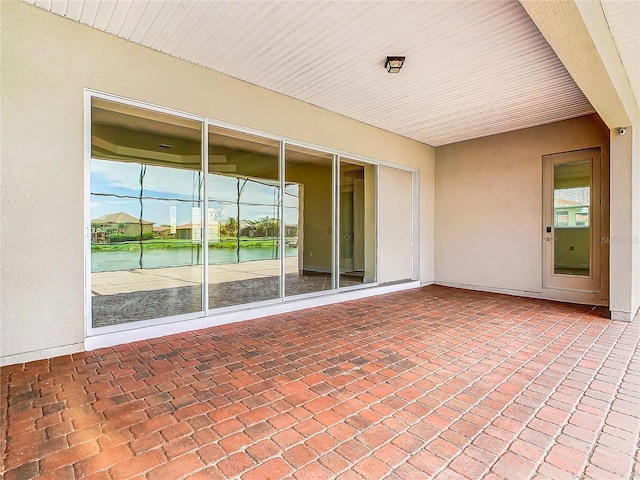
pixel 119 14
pixel 473 68
pixel 191 13
pixel 145 21
pixel 71 10
pixel 166 21
pixel 130 22
pixel 89 12
pixel 104 14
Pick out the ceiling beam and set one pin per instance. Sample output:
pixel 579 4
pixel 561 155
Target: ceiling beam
pixel 579 34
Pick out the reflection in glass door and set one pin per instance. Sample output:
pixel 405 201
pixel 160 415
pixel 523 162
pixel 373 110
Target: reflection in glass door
pixel 309 214
pixel 572 221
pixel 357 215
pixel 244 215
pixel 571 205
pixel 146 214
pixel 270 221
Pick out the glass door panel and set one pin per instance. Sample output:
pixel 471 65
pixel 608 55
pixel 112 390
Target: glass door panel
pixel 571 230
pixel 146 202
pixel 244 218
pixel 357 212
pixel 571 205
pixel 308 221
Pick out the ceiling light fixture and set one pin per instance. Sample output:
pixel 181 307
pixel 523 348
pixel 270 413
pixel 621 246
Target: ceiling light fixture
pixel 394 64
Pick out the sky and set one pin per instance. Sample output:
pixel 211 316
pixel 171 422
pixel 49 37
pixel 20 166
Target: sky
pixel 165 187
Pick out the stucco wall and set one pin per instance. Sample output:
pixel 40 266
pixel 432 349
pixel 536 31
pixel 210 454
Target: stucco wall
pixel 47 61
pixel 489 204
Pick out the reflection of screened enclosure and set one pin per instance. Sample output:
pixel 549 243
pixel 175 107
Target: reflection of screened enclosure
pixel 168 240
pixel 146 211
pixel 252 219
pixel 126 238
pixel 247 228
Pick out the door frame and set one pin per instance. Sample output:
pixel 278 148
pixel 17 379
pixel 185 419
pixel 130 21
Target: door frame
pixel 591 283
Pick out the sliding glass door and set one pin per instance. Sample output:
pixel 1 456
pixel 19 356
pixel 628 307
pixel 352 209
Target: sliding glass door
pixel 245 199
pixel 146 214
pixel 189 217
pixel 357 212
pixel 309 215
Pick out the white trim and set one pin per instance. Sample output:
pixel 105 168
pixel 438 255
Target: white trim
pixel 204 166
pixel 483 288
pixel 50 352
pixel 335 225
pixel 87 213
pixel 377 207
pixel 121 327
pixel 282 172
pixel 145 333
pixel 415 225
pixel 144 105
pixel 362 158
pixel 212 312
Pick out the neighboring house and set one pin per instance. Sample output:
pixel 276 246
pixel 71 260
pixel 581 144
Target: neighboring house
pixel 571 213
pixel 120 223
pixel 163 232
pixel 290 230
pixel 186 231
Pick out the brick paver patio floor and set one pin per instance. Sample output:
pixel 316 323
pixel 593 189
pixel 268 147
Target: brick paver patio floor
pixel 428 383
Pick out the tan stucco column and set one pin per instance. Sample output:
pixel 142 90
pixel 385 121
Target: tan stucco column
pixel 623 241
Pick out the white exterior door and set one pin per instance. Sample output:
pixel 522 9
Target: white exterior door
pixel 571 228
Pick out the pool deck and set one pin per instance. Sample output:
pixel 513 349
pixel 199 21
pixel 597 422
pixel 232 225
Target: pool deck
pixel 149 279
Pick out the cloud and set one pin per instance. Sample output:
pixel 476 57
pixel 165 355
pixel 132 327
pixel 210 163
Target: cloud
pixel 124 178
